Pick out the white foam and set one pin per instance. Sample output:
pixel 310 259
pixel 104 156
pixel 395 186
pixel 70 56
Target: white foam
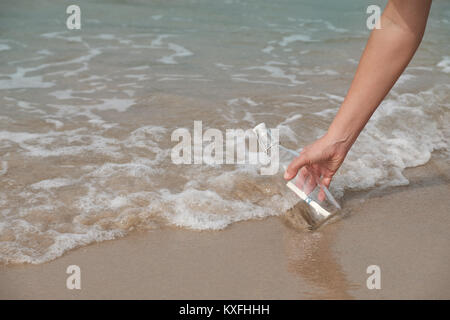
pixel 68 94
pixel 268 49
pixel 18 80
pixel 292 118
pixel 291 104
pixel 244 100
pixel 334 97
pixel 143 67
pixel 223 66
pixel 404 78
pixel 331 27
pixel 242 78
pixel 58 124
pixel 136 191
pixel 105 36
pixel 444 64
pixel 119 202
pixel 61 35
pixel 277 72
pixel 206 210
pixel 119 105
pixel 134 169
pixel 249 117
pixel 157 43
pixel 45 52
pixel 327 113
pixel 314 98
pixel 138 77
pixel 286 131
pixel 379 155
pixel 51 183
pixel 15 252
pixel 179 52
pixel 42 145
pixel 294 38
pixel 4 47
pixel 4 168
pixel 318 72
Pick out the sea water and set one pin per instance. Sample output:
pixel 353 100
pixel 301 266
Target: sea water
pixel 86 115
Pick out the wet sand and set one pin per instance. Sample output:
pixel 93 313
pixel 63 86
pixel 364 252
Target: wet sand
pixel 403 230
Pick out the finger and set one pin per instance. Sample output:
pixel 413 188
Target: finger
pixel 321 196
pixel 325 183
pixel 301 178
pixel 294 166
pixel 310 184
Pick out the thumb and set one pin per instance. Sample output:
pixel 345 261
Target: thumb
pixel 294 166
pixel 326 181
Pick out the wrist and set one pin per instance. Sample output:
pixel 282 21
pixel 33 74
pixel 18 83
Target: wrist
pixel 341 137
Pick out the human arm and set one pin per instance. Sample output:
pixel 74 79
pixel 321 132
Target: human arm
pixel 387 53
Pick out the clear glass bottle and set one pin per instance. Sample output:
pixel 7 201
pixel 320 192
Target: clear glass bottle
pixel 305 185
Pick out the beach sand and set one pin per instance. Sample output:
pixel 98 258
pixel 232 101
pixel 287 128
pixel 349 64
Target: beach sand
pixel 403 230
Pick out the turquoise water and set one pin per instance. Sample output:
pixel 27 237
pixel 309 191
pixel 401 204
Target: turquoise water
pixel 86 115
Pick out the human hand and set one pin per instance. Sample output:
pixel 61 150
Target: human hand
pixel 317 164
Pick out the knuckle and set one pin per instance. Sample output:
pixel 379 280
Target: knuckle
pixel 291 169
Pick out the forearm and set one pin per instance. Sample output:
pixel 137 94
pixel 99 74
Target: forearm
pixel 387 53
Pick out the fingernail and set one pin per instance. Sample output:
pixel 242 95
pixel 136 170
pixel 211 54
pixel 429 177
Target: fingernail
pixel 286 175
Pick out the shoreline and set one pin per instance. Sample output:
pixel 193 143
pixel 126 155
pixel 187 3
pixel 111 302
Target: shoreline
pixel 402 229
